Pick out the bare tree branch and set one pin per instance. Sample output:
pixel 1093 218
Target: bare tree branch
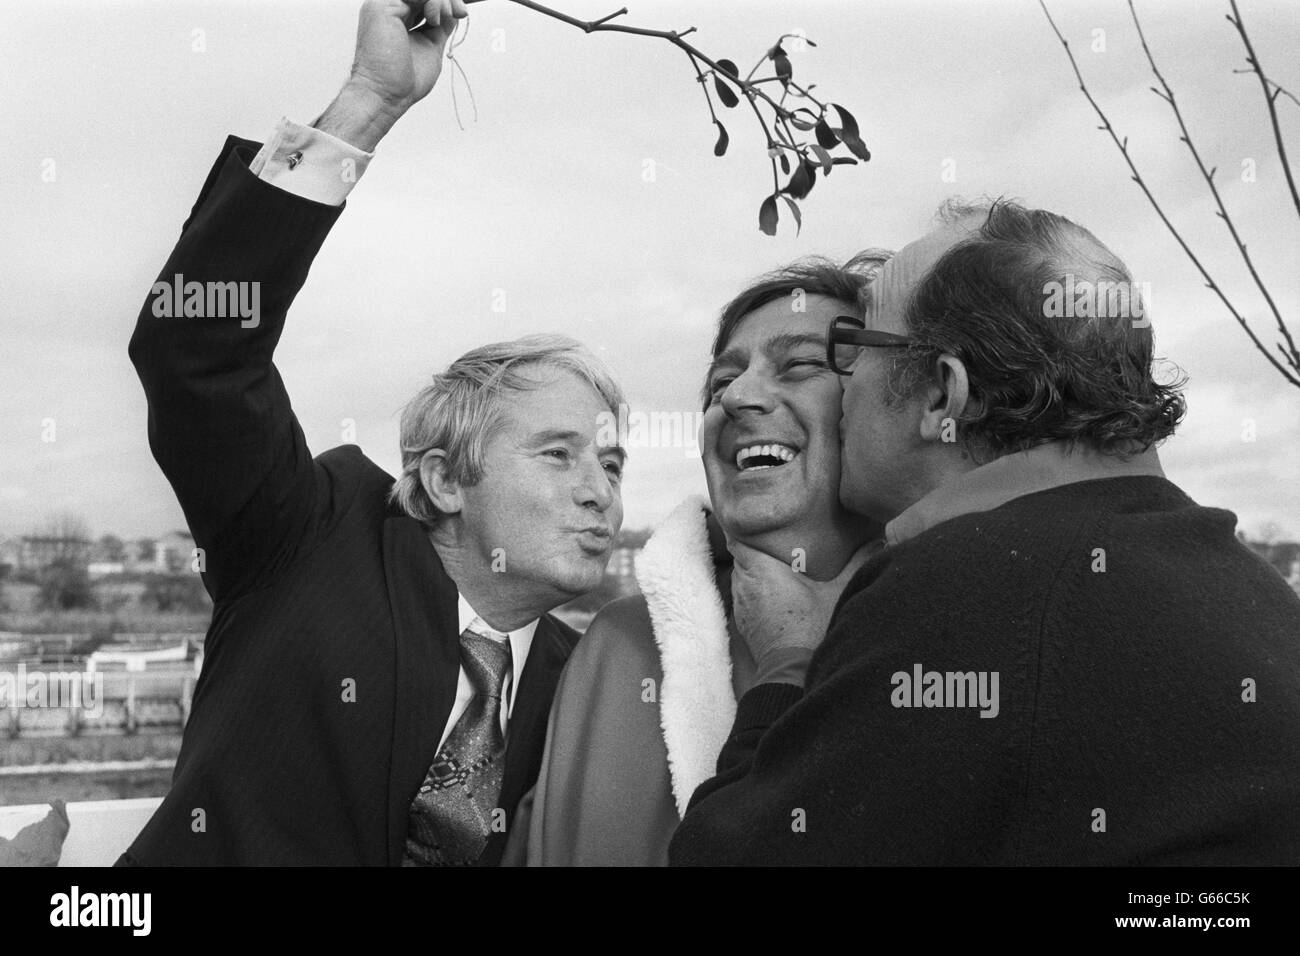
pixel 1293 357
pixel 1270 98
pixel 1278 88
pixel 1122 145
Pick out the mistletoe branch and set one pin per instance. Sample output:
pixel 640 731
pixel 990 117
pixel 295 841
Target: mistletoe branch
pixel 1122 145
pixel 786 120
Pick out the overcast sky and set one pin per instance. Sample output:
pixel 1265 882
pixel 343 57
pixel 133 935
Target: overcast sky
pixel 542 204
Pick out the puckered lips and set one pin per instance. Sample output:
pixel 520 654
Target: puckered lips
pixel 753 457
pixel 595 539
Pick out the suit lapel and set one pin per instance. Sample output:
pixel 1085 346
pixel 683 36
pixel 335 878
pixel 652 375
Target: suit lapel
pixel 427 663
pixel 526 737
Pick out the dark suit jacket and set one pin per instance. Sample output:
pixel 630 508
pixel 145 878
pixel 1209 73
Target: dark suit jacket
pixel 318 584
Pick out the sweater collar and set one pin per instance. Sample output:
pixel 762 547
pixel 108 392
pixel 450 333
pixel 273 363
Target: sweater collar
pixel 1013 476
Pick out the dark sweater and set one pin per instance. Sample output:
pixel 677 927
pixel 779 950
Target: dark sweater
pixel 1120 701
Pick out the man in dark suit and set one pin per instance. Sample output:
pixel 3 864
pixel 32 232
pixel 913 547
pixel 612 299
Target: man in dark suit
pixel 380 663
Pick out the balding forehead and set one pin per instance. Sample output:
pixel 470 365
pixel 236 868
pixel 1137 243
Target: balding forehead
pixel 889 292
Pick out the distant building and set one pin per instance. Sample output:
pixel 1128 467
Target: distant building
pixel 174 553
pixel 103 569
pixel 109 549
pixel 622 563
pixel 112 591
pixel 140 554
pixel 11 550
pixel 622 560
pixel 40 551
pixel 1283 555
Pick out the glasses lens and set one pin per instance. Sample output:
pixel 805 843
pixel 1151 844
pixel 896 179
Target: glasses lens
pixel 846 353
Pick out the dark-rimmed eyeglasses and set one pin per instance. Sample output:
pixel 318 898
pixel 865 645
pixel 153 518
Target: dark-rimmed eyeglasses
pixel 848 336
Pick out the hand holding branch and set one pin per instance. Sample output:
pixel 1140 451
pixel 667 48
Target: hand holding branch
pixel 400 46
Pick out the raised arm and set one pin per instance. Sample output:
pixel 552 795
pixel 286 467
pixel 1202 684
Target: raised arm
pixel 220 422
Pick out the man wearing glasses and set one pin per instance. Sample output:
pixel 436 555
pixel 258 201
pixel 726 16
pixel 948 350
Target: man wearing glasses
pixel 1057 658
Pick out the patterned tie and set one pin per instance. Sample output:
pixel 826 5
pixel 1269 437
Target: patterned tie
pixel 451 817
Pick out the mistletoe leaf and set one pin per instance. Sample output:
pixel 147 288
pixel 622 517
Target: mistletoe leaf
pixel 720 146
pixel 801 183
pixel 803 122
pixel 767 215
pixel 784 71
pixel 847 121
pixel 785 164
pixel 728 67
pixel 725 93
pixel 794 210
pixel 824 156
pixel 850 134
pixel 825 135
pixel 812 173
pixel 857 147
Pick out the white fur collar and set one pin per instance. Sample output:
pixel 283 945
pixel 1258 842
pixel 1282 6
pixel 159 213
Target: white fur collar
pixel 697 704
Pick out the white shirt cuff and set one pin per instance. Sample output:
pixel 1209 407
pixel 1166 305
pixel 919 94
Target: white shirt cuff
pixel 311 164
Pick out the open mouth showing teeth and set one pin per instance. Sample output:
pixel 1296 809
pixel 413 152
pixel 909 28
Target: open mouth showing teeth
pixel 756 457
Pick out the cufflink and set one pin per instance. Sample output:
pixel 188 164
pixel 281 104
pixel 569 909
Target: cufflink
pixel 295 158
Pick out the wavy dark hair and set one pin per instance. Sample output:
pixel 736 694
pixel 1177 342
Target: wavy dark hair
pixel 1037 376
pixel 814 275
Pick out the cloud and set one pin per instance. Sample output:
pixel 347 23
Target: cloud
pixel 545 198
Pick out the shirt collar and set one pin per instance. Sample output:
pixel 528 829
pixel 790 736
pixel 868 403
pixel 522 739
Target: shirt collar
pixel 1013 476
pixel 521 640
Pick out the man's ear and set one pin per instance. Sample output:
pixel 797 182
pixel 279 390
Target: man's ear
pixel 945 399
pixel 443 490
